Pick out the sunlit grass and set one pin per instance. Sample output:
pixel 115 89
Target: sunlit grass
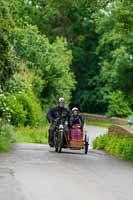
pixel 121 147
pixel 98 123
pixel 32 135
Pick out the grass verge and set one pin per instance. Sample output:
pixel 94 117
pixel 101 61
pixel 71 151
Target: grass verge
pixel 32 135
pixel 6 137
pixel 97 123
pixel 121 147
pixel 10 134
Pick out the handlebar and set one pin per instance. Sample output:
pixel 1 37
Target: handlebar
pixel 60 121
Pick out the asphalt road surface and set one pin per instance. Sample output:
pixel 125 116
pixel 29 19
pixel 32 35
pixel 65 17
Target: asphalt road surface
pixel 36 172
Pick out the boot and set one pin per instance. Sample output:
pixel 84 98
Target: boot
pixel 50 140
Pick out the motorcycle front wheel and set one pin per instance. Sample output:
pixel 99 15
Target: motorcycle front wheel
pixel 56 142
pixel 60 141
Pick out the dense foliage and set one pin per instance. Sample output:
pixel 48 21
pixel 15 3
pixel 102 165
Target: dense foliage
pixel 118 106
pixel 81 50
pixel 49 61
pixel 117 146
pixel 7 64
pixel 99 34
pixel 114 25
pixel 34 72
pixel 6 137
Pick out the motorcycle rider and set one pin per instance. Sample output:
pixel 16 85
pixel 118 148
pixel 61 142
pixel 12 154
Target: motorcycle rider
pixel 76 118
pixel 57 113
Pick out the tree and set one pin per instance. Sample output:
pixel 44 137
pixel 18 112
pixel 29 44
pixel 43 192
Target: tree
pixel 50 61
pixel 118 105
pixel 72 20
pixel 7 66
pixel 114 25
pixel 99 34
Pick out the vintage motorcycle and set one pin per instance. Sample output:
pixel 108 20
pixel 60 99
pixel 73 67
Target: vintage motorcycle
pixel 73 139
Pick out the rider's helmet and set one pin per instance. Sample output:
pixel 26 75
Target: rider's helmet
pixel 61 100
pixel 75 109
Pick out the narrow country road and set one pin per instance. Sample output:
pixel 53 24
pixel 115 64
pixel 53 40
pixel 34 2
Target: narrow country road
pixel 35 172
pixel 93 132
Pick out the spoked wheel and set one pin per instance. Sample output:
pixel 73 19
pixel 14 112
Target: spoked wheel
pixel 56 143
pixel 86 144
pixel 60 141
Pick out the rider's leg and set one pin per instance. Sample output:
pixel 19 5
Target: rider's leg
pixel 51 135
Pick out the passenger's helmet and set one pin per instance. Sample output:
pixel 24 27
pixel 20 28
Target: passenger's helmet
pixel 75 109
pixel 61 100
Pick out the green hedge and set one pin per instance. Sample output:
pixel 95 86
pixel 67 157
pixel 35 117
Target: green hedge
pixel 121 147
pixel 6 137
pixel 21 109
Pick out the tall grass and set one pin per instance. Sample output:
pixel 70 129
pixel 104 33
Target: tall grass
pixel 32 134
pixel 6 137
pixel 29 134
pixel 121 147
pixel 98 123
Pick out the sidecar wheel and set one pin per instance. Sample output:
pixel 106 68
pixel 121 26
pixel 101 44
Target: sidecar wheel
pixel 86 145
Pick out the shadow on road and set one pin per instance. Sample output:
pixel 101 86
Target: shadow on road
pixel 68 152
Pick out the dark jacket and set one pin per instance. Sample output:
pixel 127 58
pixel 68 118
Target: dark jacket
pixel 58 113
pixel 76 120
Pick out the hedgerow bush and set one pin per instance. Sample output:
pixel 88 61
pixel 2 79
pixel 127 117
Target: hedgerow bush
pixel 100 142
pixel 21 109
pixel 118 106
pixel 6 137
pixel 24 109
pixel 121 147
pixel 18 102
